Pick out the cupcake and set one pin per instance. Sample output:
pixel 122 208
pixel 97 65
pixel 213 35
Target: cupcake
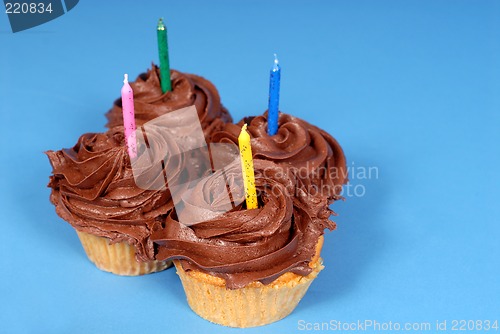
pixel 187 90
pixel 93 189
pixel 246 268
pixel 313 157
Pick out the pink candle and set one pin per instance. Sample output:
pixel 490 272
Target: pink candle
pixel 129 117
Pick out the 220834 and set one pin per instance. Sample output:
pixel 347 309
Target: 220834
pixel 474 325
pixel 27 8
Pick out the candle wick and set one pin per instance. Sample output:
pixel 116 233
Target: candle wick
pixel 161 25
pixel 276 65
pixel 125 78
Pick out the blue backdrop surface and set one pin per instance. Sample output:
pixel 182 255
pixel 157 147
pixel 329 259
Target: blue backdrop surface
pixel 409 88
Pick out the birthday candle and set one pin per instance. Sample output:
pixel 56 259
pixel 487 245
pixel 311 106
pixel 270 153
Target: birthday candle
pixel 247 168
pixel 129 117
pixel 274 98
pixel 166 85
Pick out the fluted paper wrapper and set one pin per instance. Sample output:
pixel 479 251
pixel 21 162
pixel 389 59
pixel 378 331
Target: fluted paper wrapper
pixel 117 258
pixel 253 305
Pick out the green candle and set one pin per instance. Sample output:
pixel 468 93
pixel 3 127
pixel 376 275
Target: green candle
pixel 164 62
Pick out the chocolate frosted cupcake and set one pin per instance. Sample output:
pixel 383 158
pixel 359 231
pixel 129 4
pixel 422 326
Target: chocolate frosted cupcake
pixel 314 158
pixel 248 268
pixel 187 90
pixel 93 188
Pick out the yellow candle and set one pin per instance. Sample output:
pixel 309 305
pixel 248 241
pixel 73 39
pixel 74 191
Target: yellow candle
pixel 247 168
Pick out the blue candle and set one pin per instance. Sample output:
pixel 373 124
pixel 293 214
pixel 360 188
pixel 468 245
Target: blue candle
pixel 274 98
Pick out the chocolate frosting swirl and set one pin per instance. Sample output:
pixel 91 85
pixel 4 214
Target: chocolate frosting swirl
pixel 93 188
pixel 314 158
pixel 187 90
pixel 243 245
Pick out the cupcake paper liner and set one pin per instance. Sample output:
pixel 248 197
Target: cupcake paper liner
pixel 118 258
pixel 253 305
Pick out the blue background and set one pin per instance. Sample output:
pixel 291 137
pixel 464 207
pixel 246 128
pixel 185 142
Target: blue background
pixel 409 87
